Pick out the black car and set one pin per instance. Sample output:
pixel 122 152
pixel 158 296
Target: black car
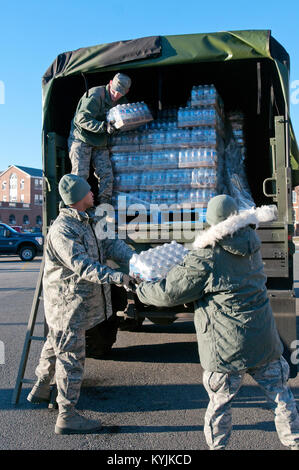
pixel 26 245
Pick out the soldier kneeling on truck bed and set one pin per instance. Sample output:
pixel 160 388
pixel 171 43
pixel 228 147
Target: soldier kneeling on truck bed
pixel 223 275
pixel 77 296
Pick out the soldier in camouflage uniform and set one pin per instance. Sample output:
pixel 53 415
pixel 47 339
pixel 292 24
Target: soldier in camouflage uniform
pixel 76 286
pixel 89 135
pixel 223 275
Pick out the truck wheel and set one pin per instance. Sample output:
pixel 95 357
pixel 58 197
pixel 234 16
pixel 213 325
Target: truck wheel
pixel 100 338
pixel 162 320
pixel 27 253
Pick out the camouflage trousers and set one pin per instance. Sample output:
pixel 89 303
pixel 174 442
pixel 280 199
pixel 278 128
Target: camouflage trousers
pixel 223 387
pixel 82 156
pixel 63 355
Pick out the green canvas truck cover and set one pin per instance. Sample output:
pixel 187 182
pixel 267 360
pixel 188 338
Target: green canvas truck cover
pixel 156 51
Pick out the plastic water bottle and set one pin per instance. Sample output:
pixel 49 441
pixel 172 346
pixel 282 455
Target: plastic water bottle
pixel 173 158
pixel 184 117
pixel 197 95
pixel 147 160
pixel 194 94
pixel 180 116
pixel 212 95
pixel 196 136
pixel 206 92
pixel 183 158
pixel 144 180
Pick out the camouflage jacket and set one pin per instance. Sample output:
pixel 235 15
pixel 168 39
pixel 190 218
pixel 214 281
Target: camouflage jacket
pixel 76 280
pixel 89 122
pixel 233 318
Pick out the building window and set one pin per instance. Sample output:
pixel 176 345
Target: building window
pixel 25 220
pixel 38 220
pixel 38 199
pixel 4 185
pixel 36 182
pixel 22 183
pixel 4 199
pixel 13 187
pixel 294 197
pixel 12 219
pixel 22 197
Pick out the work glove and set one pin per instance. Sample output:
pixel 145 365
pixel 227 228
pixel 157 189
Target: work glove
pixel 137 280
pixel 129 283
pixel 110 127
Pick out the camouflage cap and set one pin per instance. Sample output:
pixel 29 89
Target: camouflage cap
pixel 121 83
pixel 72 188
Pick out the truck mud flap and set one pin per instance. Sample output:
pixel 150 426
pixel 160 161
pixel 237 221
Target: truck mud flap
pixel 283 303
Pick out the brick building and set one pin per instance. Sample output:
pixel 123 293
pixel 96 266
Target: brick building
pixel 21 196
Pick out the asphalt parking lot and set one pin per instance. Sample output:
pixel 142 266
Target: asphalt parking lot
pixel 148 394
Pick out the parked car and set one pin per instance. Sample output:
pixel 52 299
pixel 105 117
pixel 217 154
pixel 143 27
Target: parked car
pixel 18 228
pixel 25 245
pixel 33 230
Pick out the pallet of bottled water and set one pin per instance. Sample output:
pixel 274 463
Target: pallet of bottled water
pixel 155 263
pixel 129 116
pixel 175 160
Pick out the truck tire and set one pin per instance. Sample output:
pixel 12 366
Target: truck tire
pixel 162 320
pixel 100 338
pixel 27 253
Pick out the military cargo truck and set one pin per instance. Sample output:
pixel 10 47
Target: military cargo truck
pixel 250 71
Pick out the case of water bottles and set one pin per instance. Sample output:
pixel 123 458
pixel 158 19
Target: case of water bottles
pixel 155 263
pixel 204 109
pixel 206 95
pixel 129 116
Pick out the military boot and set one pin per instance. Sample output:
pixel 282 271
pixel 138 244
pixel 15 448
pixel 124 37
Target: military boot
pixel 40 392
pixel 71 422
